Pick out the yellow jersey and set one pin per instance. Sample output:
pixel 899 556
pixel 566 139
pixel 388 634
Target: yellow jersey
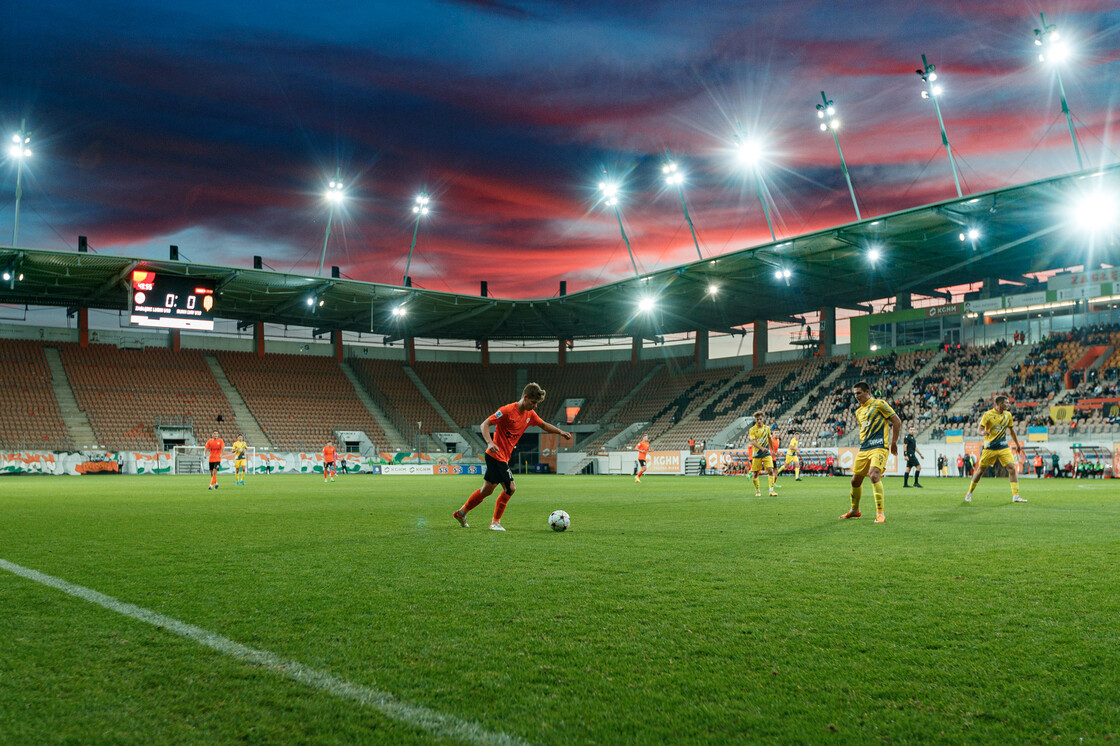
pixel 874 418
pixel 791 449
pixel 239 447
pixel 996 425
pixel 760 434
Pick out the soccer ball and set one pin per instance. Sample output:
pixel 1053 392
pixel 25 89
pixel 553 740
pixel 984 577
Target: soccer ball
pixel 559 520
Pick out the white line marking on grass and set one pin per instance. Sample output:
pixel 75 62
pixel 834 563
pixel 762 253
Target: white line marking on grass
pixel 435 723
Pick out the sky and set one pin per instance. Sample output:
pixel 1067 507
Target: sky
pixel 216 126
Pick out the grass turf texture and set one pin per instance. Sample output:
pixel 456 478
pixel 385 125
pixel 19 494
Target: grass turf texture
pixel 677 610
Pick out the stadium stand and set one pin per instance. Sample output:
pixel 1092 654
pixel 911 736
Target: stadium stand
pixel 772 388
pixel 397 395
pixel 931 394
pixel 830 415
pixel 299 400
pixel 30 415
pixel 124 391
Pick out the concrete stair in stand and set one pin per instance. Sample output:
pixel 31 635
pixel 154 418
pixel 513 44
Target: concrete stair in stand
pixel 248 424
pixel 76 421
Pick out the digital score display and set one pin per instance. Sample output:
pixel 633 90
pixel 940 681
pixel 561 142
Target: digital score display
pixel 171 302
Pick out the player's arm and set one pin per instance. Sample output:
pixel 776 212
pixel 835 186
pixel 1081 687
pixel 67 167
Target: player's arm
pixel 918 452
pixel 491 446
pixel 1014 437
pixel 549 428
pixel 896 429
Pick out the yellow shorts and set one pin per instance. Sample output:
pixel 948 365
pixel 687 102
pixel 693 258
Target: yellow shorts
pixel 791 460
pixel 766 462
pixel 239 463
pixel 988 457
pixel 876 458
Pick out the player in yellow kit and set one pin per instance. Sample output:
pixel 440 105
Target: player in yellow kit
pixel 239 448
pixel 793 457
pixel 995 426
pixel 874 416
pixel 761 438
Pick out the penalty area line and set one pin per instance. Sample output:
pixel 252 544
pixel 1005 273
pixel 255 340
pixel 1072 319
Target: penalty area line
pixel 418 716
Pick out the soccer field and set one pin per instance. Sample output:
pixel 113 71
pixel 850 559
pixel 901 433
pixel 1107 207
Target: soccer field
pixel 678 610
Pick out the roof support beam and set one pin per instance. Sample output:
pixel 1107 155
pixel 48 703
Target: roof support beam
pixel 116 280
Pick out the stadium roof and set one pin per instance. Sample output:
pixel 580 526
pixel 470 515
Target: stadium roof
pixel 1025 228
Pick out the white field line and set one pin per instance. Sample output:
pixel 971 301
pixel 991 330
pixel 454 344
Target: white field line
pixel 435 723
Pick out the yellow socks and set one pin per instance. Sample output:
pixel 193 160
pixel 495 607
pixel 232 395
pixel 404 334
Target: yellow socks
pixel 1014 489
pixel 771 481
pixel 877 488
pixel 857 492
pixel 797 472
pixel 757 488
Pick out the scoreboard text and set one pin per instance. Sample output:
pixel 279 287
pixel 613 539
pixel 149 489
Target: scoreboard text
pixel 171 302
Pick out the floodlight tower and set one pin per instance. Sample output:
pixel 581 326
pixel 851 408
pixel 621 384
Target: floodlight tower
pixel 928 74
pixel 674 177
pixel 610 199
pixel 1055 51
pixel 420 208
pixel 20 151
pixel 749 154
pixel 334 196
pixel 826 112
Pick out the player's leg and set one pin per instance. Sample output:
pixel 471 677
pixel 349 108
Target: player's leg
pixel 214 475
pixel 857 493
pixel 1008 461
pixel 508 489
pixel 917 473
pixel 756 467
pixel 876 477
pixel 773 480
pixel 473 502
pixel 797 470
pixel 985 462
pixel 906 477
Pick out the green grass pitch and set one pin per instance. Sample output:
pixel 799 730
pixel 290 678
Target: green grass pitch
pixel 675 611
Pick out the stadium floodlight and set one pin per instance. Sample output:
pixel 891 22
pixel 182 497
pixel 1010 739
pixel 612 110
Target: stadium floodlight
pixel 873 255
pixel 610 191
pixel 334 196
pixel 7 276
pixel 674 177
pixel 399 311
pixel 646 304
pixel 749 153
pixel 1056 50
pixel 20 151
pixel 310 301
pixel 420 208
pixel 1096 212
pixel 826 112
pixel 972 234
pixel 933 91
pixel 713 289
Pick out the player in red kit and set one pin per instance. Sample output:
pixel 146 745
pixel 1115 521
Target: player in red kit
pixel 509 422
pixel 214 448
pixel 329 469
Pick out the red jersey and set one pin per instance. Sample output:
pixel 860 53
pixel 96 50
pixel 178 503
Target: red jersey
pixel 215 446
pixel 509 425
pixel 643 450
pixel 328 454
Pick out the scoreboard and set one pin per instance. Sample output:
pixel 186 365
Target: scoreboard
pixel 171 301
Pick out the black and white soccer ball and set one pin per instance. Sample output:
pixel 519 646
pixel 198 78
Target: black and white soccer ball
pixel 559 520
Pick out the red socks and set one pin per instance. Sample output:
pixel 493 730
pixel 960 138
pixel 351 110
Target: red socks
pixel 472 502
pixel 500 506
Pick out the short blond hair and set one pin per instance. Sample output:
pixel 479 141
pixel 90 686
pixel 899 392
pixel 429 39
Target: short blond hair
pixel 533 392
